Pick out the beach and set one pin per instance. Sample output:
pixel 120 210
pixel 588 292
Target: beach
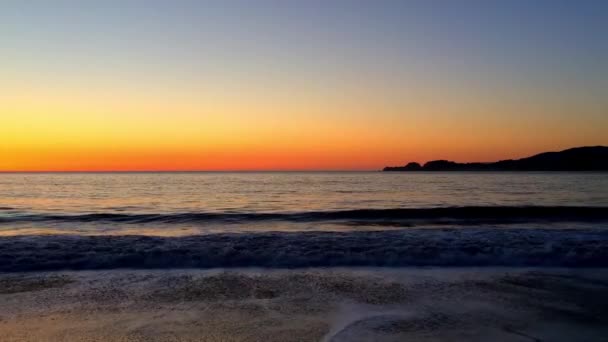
pixel 323 304
pixel 311 256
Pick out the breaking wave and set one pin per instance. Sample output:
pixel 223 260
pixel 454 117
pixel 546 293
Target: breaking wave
pixel 388 248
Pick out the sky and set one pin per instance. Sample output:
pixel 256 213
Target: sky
pixel 297 85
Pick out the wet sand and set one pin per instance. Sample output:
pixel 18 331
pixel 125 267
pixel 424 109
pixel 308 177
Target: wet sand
pixel 413 304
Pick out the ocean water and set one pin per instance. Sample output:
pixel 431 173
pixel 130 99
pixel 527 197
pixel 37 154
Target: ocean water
pixel 302 219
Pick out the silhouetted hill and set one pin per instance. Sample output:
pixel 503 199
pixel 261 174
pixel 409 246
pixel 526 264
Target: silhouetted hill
pixel 588 158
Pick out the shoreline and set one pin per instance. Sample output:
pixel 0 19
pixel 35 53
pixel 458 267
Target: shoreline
pixel 314 304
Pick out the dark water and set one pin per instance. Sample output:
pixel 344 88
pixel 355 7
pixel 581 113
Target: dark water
pixel 302 219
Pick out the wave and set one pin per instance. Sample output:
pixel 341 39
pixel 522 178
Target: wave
pixel 407 247
pixel 462 215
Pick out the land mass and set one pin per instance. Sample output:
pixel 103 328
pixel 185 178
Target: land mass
pixel 587 158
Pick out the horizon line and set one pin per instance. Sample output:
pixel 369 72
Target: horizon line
pixel 184 171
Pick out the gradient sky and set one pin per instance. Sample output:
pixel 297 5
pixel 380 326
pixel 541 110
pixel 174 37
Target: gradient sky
pixel 295 85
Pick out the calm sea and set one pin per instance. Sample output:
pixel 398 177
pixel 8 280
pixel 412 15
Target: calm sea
pixel 297 219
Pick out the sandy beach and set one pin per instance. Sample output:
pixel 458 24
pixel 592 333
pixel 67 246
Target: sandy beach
pixel 372 304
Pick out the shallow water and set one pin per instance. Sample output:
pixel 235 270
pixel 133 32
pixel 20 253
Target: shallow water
pixel 329 305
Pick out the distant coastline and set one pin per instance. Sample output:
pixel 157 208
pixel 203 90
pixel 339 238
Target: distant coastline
pixel 587 158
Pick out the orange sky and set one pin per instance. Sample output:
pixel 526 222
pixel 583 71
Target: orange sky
pixel 116 87
pixel 117 127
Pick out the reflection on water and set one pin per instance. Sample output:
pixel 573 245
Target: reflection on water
pixel 271 192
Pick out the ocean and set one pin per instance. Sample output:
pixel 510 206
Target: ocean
pixel 51 221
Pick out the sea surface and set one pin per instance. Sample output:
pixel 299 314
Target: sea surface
pixel 302 219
